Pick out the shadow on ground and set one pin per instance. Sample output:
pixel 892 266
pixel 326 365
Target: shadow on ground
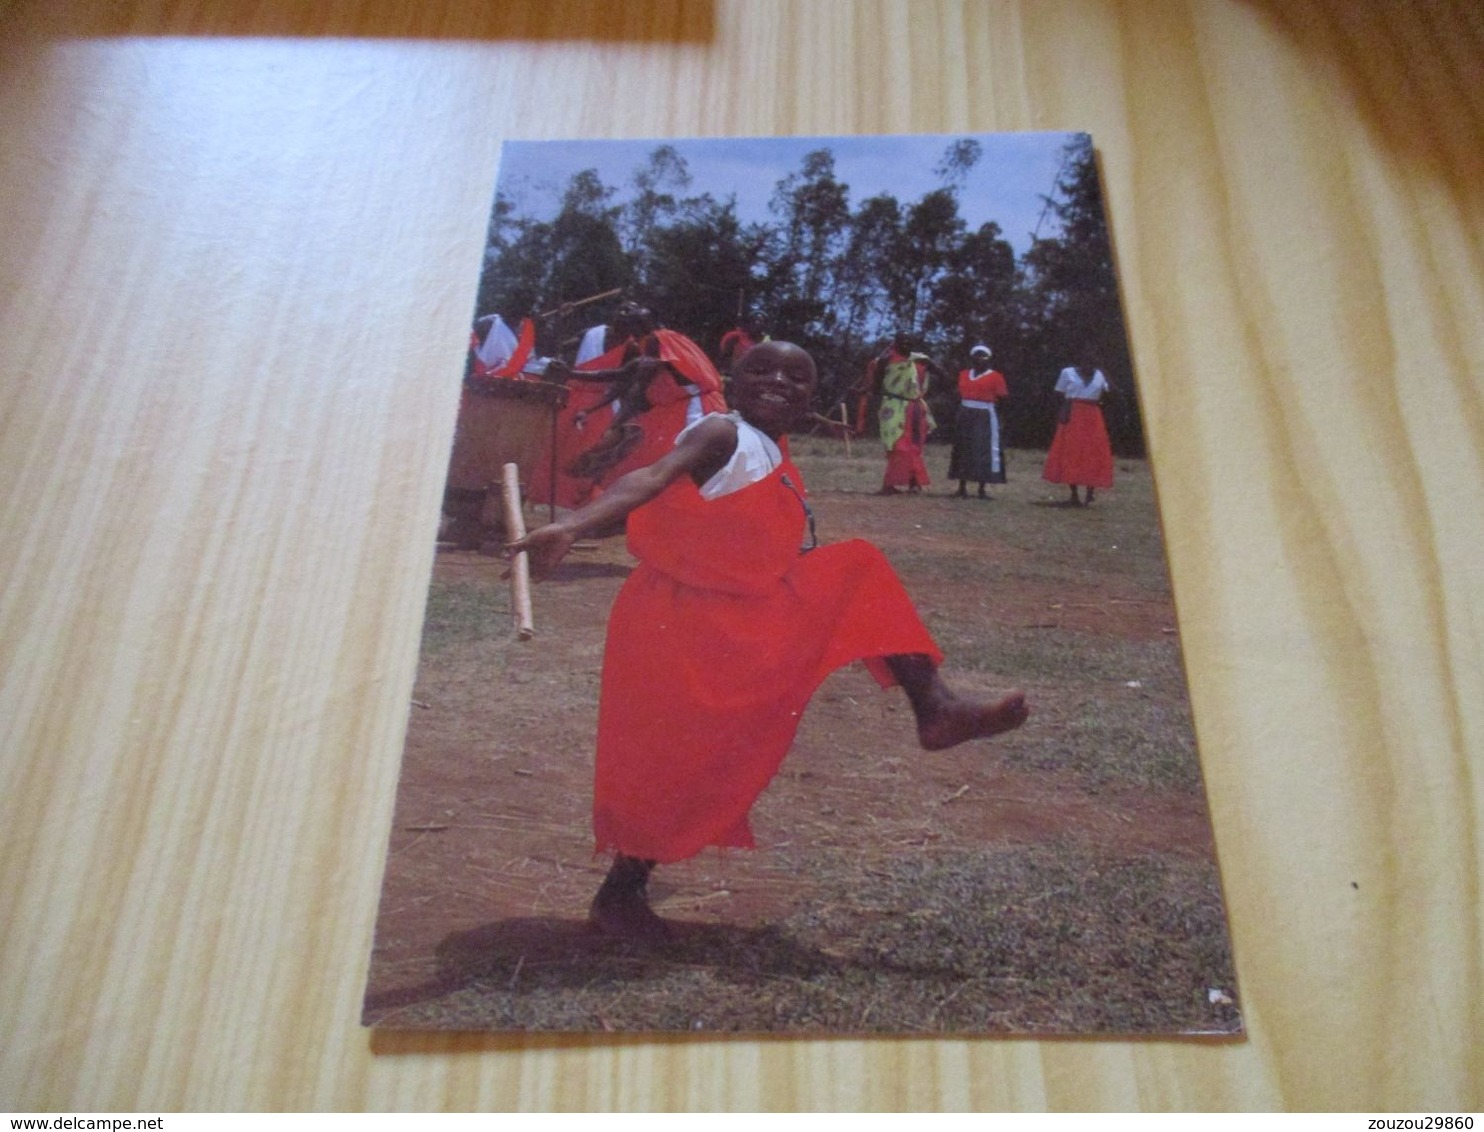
pixel 1030 939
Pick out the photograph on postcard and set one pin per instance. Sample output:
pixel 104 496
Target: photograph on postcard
pixel 800 654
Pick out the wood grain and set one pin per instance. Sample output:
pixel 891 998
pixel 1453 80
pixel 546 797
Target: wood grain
pixel 237 254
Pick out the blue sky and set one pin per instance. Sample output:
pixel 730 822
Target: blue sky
pixel 1006 186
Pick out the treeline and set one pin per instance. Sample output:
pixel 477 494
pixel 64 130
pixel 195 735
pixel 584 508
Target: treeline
pixel 837 277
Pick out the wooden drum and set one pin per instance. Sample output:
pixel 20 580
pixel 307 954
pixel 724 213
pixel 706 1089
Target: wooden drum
pixel 501 421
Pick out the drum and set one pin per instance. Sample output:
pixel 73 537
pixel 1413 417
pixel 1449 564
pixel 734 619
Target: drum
pixel 501 421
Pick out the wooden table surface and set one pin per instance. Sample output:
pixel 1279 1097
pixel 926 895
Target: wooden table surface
pixel 238 246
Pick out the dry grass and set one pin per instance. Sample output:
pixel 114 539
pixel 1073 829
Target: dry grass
pixel 899 924
pixel 1045 939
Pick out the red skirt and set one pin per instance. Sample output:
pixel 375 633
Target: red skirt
pixel 904 463
pixel 1080 453
pixel 705 679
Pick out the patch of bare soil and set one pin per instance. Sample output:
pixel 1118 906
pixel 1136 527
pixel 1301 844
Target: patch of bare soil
pixel 1057 879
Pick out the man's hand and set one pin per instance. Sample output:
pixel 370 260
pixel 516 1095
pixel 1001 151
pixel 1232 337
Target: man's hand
pixel 546 546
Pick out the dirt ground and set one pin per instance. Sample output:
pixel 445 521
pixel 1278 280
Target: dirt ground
pixel 1060 879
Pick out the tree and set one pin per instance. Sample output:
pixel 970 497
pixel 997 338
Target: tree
pixel 932 231
pixel 695 268
pixel 813 208
pixel 586 255
pixel 960 157
pixel 867 272
pixel 532 265
pixel 655 202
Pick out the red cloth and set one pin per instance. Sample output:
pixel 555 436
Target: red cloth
pixel 735 343
pixel 572 439
pixel 988 386
pixel 659 424
pixel 525 343
pixel 716 643
pixel 1080 452
pixel 669 403
pixel 904 463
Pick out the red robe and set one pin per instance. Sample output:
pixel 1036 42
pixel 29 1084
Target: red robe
pixel 571 439
pixel 669 402
pixel 660 423
pixel 715 644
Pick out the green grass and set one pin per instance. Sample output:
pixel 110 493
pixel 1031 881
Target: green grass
pixel 459 612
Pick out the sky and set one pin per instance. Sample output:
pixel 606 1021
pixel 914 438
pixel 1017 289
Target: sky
pixel 1007 185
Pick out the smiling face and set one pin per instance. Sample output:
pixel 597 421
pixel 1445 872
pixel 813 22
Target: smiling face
pixel 773 386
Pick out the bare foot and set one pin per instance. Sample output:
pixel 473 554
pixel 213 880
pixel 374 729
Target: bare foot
pixel 953 720
pixel 628 918
pixel 622 910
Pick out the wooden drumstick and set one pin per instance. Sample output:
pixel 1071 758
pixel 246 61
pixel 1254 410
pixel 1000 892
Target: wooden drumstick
pixel 520 566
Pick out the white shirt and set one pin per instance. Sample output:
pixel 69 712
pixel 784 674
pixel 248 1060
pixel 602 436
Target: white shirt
pixel 499 343
pixel 1071 384
pixel 591 345
pixel 755 458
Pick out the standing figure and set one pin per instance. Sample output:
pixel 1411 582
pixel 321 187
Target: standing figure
pixel 978 453
pixel 668 385
pixel 587 414
pixel 720 636
pixel 1080 452
pixel 627 405
pixel 904 415
pixel 736 342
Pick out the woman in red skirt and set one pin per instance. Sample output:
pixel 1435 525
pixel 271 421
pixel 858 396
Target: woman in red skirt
pixel 1080 453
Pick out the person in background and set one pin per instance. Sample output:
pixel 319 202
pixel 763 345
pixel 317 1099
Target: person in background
pixel 662 382
pixel 736 342
pixel 1080 452
pixel 904 416
pixel 978 452
pixel 490 347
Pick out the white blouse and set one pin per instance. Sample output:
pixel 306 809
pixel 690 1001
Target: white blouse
pixel 1071 384
pixel 755 458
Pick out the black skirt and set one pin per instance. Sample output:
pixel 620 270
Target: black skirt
pixel 977 452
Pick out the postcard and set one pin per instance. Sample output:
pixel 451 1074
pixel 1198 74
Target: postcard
pixel 800 654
